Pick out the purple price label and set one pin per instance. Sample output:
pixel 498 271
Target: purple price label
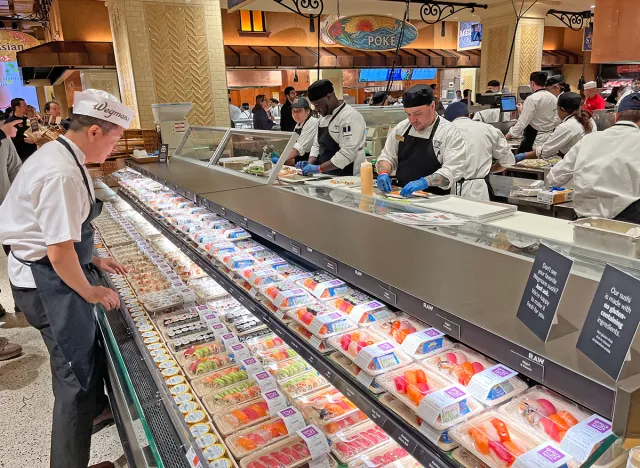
pixel 263 375
pixel 386 346
pixel 335 315
pixel 237 347
pixel 599 425
pixel 501 371
pixel 551 453
pixel 374 304
pixel 432 332
pixel 309 432
pixel 250 361
pixel 336 282
pixel 228 336
pixel 218 326
pixel 287 412
pixel 203 308
pixel 271 395
pixel 455 392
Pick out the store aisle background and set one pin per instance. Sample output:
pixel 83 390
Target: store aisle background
pixel 26 400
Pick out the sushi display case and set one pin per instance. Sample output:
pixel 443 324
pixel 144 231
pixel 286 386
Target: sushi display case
pixel 341 354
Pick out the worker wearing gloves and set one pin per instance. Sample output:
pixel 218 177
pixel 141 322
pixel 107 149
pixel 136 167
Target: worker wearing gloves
pixel 306 128
pixel 604 168
pixel 339 145
pixel 425 151
pixel 538 118
pixel 484 143
pixel 576 123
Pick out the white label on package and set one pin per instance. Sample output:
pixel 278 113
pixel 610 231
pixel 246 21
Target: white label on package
pixel 443 403
pixel 240 352
pixel 430 433
pixel 193 459
pixel 581 439
pixel 481 384
pixel 211 318
pixel 292 418
pixel 368 353
pixel 266 382
pixel 364 378
pixel 322 287
pixel 252 366
pixel 358 311
pixel 229 339
pixel 219 329
pixel 322 462
pixel 315 440
pixel 275 401
pixel 543 456
pixel 321 320
pixel 202 310
pixel 412 341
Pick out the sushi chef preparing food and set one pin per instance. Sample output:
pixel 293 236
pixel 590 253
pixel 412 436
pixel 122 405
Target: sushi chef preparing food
pixel 604 168
pixel 339 145
pixel 46 222
pixel 424 151
pixel 306 127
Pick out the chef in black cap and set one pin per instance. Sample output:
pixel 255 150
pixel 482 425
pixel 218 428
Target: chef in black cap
pixel 555 85
pixel 380 99
pixel 339 145
pixel 423 152
pixel 306 127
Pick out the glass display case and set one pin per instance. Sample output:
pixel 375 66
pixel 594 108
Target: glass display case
pixel 200 143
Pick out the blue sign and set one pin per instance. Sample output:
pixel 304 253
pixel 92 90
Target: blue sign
pixel 382 74
pixel 587 38
pixel 424 74
pixel 469 35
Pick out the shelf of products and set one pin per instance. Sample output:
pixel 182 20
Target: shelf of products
pixel 373 348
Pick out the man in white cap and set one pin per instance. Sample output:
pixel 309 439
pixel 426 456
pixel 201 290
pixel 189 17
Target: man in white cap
pixel 593 101
pixel 46 222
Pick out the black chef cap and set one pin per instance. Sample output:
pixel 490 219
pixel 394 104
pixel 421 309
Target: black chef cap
pixel 569 101
pixel 320 89
pixel 554 80
pixel 379 97
pixel 418 95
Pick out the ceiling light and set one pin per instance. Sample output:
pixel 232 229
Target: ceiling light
pixel 593 6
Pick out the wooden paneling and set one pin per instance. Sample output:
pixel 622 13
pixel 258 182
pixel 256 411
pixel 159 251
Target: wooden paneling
pixel 616 33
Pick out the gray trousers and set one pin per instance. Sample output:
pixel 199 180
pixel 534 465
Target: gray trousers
pixel 74 408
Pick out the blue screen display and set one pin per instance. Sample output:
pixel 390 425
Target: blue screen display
pixel 424 73
pixel 382 74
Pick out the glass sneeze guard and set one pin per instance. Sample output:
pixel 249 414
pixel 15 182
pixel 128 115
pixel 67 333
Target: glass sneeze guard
pixel 200 143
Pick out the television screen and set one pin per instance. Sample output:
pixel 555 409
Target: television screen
pixel 424 73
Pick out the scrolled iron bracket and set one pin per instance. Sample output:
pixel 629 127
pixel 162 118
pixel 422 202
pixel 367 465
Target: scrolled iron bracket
pixel 575 20
pixel 443 10
pixel 306 8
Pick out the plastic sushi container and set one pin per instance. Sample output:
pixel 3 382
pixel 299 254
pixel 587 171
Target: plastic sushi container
pixel 219 248
pixel 286 295
pixel 552 416
pixel 199 351
pixel 241 416
pixel 261 276
pixel 330 410
pixel 467 459
pixel 412 384
pixel 279 264
pixel 369 351
pixel 362 308
pixel 289 453
pixel 353 370
pixel 235 234
pixel 349 444
pixel 315 342
pixel 226 377
pixel 272 356
pixel 414 337
pixel 324 286
pixel 387 455
pixel 322 323
pixel 203 366
pixel 232 395
pixel 301 384
pixel 237 262
pixel 248 441
pixel 461 364
pixel 286 369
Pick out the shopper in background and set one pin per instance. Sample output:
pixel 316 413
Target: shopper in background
pixel 436 96
pixel 612 99
pixel 555 85
pixel 425 151
pixel 24 146
pixel 483 144
pixel 275 108
pixel 339 145
pixel 307 128
pixel 380 99
pixel 539 115
pixel 46 222
pixel 493 86
pixel 604 168
pixel 246 111
pixel 287 123
pixel 576 123
pixel 593 101
pixel 262 120
pixel 466 97
pixel 51 112
pixel 458 96
pixel 634 87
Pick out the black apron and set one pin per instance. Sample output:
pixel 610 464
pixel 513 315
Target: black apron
pixel 417 158
pixel 329 147
pixel 492 195
pixel 302 157
pixel 631 214
pixel 528 138
pixel 71 318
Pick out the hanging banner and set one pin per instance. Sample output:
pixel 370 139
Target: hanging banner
pixel 12 42
pixel 587 38
pixel 370 32
pixel 469 35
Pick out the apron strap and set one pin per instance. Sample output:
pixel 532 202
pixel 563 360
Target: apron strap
pixel 64 143
pixel 340 108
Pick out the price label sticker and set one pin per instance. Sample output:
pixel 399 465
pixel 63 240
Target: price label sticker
pixel 581 439
pixel 275 401
pixel 543 456
pixel 240 352
pixel 292 418
pixel 229 339
pixel 359 311
pixel 377 351
pixel 443 405
pixel 322 462
pixel 266 382
pixel 321 320
pixel 192 458
pixel 316 441
pixel 432 337
pixel 252 366
pixel 219 329
pixel 211 318
pixel 487 383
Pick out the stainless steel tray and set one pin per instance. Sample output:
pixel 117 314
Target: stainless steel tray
pixel 607 235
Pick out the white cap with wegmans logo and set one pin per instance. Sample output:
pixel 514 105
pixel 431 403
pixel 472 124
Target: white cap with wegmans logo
pixel 102 105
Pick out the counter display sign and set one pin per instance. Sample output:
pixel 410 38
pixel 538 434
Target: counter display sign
pixel 163 156
pixel 612 321
pixel 371 32
pixel 542 294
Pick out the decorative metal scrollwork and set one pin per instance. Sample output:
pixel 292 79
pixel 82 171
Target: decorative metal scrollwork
pixel 305 8
pixel 572 19
pixel 443 10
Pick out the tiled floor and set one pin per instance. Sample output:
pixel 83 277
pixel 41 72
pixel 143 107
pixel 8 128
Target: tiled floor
pixel 26 400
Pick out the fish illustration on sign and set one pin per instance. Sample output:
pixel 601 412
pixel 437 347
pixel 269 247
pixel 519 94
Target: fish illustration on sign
pixel 371 32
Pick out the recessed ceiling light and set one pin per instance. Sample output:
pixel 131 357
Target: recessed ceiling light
pixel 593 6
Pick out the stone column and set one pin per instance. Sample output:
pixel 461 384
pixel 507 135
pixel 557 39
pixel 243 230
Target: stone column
pixel 527 52
pixel 171 51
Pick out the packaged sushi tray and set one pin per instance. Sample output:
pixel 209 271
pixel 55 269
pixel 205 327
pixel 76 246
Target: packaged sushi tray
pixel 346 445
pixel 232 419
pixel 229 376
pixel 388 455
pixel 232 395
pixel 303 383
pixel 276 355
pixel 261 276
pixel 199 351
pixel 324 286
pixel 286 295
pixel 348 365
pixel 289 453
pixel 322 320
pixel 330 410
pixel 306 335
pixel 284 370
pixel 208 364
pixel 414 337
pixel 264 343
pixel 181 344
pixel 248 441
pixel 361 308
pixel 467 459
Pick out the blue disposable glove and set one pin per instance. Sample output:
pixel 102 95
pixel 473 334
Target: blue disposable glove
pixel 520 157
pixel 557 189
pixel 310 169
pixel 275 159
pixel 300 164
pixel 384 183
pixel 420 184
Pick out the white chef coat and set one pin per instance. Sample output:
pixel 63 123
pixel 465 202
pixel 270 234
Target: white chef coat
pixel 604 169
pixel 563 138
pixel 483 143
pixel 448 145
pixel 46 204
pixel 234 112
pixel 348 129
pixel 275 111
pixel 540 110
pixel 307 135
pixel 491 116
